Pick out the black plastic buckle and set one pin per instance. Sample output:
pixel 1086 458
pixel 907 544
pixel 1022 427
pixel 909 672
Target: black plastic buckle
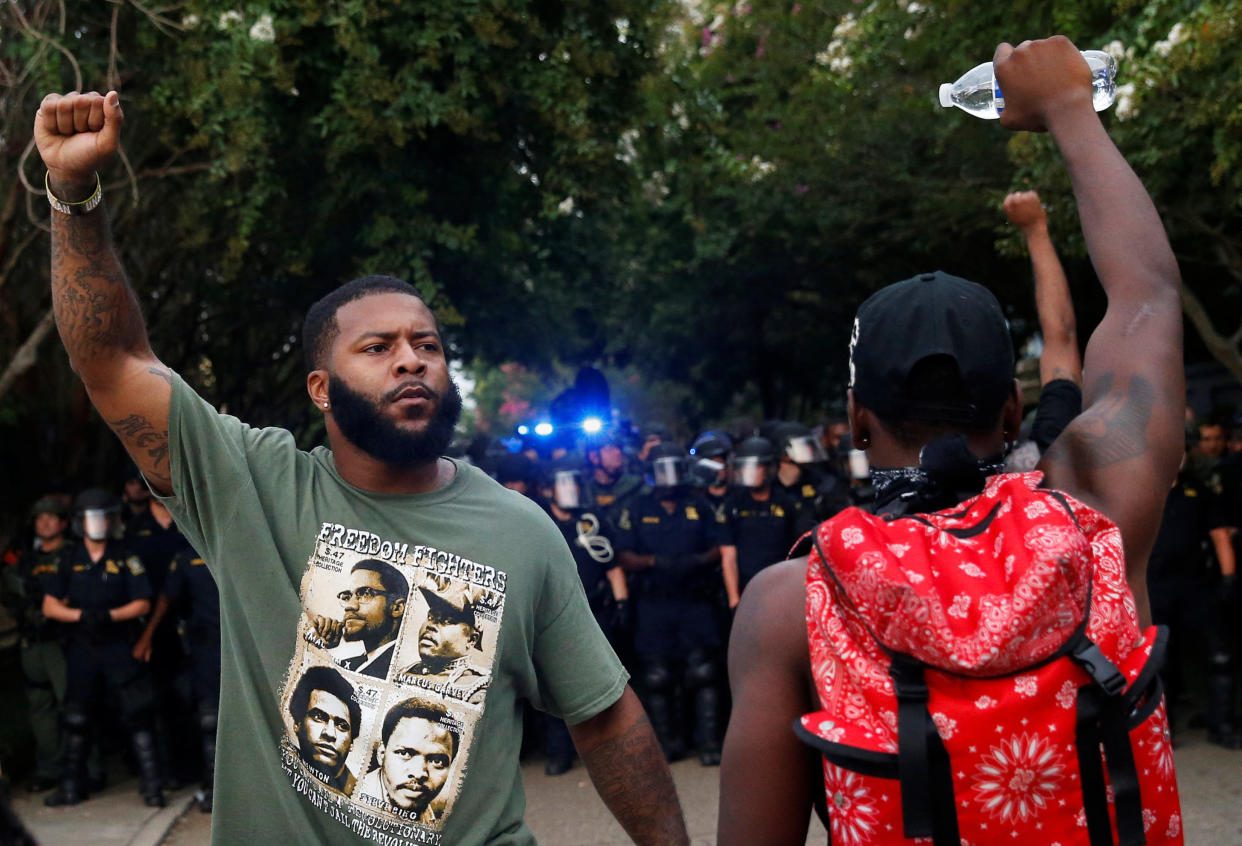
pixel 1088 656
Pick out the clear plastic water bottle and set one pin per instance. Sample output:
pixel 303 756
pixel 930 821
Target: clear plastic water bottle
pixel 978 94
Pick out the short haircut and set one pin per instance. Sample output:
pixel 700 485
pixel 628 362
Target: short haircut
pixel 933 383
pixel 390 577
pixel 329 681
pixel 320 329
pixel 415 708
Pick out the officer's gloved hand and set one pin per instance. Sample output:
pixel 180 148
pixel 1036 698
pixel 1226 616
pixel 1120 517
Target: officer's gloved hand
pixel 95 619
pixel 688 561
pixel 1228 591
pixel 619 616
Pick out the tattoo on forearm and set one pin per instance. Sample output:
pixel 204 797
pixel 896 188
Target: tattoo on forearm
pixel 140 435
pixel 95 309
pixel 632 777
pixel 1110 431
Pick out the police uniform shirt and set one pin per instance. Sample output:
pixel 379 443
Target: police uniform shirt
pixel 1191 512
pixel 762 531
pixel 646 528
pixel 155 545
pixel 591 572
pixel 116 579
pixel 190 582
pixel 34 570
pixel 607 501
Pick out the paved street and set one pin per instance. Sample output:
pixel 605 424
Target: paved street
pixel 565 811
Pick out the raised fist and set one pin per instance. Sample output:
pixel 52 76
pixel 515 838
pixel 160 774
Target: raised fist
pixel 78 134
pixel 1025 211
pixel 1041 79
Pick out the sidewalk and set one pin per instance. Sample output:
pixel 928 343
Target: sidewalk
pixel 565 811
pixel 114 817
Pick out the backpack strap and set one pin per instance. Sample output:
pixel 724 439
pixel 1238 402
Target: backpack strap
pixel 928 807
pixel 1103 720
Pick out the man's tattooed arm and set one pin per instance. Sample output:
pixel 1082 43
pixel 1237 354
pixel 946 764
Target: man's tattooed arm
pixel 140 435
pixel 620 751
pixel 101 325
pixel 96 311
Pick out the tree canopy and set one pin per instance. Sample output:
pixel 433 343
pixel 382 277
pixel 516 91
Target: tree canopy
pixel 694 197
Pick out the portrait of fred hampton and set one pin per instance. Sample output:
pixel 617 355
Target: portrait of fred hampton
pixel 449 638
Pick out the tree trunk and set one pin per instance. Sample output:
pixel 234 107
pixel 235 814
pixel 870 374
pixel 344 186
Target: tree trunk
pixel 1226 350
pixel 27 354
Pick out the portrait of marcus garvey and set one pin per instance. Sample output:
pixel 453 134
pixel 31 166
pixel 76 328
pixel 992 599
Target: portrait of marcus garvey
pixel 449 638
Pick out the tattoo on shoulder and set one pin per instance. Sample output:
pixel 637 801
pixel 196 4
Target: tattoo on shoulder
pixel 163 372
pixel 1112 430
pixel 140 435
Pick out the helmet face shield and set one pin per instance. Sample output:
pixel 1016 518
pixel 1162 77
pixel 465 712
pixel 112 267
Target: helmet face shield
pixel 750 471
pixel 567 489
pixel 805 449
pixel 668 471
pixel 95 524
pixel 706 472
pixel 859 467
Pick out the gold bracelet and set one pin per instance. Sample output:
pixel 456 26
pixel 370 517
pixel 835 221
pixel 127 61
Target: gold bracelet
pixel 79 208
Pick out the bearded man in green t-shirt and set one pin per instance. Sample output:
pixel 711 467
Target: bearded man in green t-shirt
pixel 282 529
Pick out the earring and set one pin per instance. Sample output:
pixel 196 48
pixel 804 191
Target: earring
pixel 864 442
pixel 325 405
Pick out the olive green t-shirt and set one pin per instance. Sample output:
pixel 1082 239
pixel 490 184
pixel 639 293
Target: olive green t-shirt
pixel 484 608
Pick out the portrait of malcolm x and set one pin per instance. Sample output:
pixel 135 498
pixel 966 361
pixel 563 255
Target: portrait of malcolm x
pixel 326 719
pixel 372 607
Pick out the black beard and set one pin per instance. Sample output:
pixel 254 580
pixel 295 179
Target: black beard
pixel 364 426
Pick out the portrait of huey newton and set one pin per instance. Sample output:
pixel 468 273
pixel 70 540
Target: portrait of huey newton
pixel 327 719
pixel 344 335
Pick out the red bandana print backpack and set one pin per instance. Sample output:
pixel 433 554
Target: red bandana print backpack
pixel 983 678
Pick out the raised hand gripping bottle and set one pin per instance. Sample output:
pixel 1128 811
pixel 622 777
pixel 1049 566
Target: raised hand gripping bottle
pixel 978 94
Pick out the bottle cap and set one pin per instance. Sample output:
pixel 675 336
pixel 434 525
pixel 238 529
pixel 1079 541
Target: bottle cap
pixel 946 94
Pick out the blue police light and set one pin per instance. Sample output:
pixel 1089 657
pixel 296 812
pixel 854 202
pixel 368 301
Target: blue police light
pixel 523 429
pixel 592 425
pixel 543 429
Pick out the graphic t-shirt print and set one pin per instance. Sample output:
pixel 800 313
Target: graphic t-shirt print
pixel 395 651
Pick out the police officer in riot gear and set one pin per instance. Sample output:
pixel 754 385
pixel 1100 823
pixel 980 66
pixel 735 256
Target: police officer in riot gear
pixel 42 658
pixel 190 587
pixel 759 516
pixel 669 542
pixel 608 486
pixel 709 455
pixel 98 592
pixel 805 475
pixel 602 579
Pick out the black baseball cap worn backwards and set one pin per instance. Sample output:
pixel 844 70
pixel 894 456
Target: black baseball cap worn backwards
pixel 928 315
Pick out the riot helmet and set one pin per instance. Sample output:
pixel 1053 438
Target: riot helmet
pixel 668 465
pixel 753 462
pixel 708 459
pixel 94 511
pixel 800 446
pixel 711 444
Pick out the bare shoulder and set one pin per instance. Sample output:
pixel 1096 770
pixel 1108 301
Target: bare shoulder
pixel 771 619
